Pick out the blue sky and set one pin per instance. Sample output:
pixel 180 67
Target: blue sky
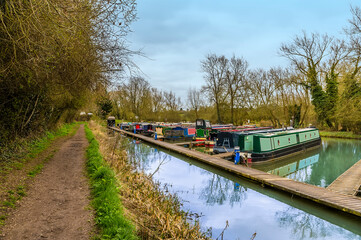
pixel 176 35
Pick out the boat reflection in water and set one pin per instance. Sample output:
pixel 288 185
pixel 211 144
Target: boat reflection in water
pixel 295 166
pixel 319 167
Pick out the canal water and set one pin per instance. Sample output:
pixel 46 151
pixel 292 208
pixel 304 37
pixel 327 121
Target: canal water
pixel 238 209
pixel 320 166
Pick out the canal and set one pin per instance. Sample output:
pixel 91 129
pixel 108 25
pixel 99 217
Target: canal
pixel 242 208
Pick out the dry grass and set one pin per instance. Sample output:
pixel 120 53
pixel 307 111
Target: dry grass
pixel 157 214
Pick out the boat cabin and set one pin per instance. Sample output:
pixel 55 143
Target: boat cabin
pixel 111 121
pixel 174 133
pixel 203 124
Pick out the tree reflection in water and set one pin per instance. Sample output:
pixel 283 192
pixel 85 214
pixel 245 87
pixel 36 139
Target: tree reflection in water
pixel 306 226
pixel 143 156
pixel 210 189
pixel 219 190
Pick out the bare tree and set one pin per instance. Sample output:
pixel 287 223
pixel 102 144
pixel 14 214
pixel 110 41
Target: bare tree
pixel 215 69
pixel 138 92
pixel 172 103
pixel 235 80
pixel 195 100
pixel 263 85
pixel 157 100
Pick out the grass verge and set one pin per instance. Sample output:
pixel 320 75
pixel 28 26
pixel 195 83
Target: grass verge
pixel 14 157
pixel 156 212
pixel 349 135
pixel 109 215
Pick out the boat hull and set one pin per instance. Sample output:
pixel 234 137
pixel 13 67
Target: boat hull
pixel 301 147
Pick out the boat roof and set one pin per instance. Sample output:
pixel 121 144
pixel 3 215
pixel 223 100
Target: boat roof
pixel 263 131
pixel 288 131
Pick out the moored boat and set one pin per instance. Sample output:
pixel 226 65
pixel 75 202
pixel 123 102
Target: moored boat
pixel 264 145
pixel 148 129
pixel 173 133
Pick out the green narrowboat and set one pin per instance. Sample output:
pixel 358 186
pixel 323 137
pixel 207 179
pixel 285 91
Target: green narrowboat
pixel 257 146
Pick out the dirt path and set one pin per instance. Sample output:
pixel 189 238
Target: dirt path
pixel 57 204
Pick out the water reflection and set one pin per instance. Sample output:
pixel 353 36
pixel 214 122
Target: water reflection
pixel 296 166
pixel 307 226
pixel 319 167
pixel 219 190
pixel 219 197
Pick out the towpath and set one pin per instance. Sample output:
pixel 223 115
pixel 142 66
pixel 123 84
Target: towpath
pixel 57 203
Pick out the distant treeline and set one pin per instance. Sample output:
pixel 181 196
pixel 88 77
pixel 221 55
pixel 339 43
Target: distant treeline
pixel 54 56
pixel 321 87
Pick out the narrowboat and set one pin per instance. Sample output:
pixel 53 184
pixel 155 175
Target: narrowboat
pixel 135 127
pixel 125 126
pixel 202 128
pixel 148 129
pixel 111 121
pixel 205 131
pixel 189 132
pixel 173 133
pixel 264 145
pixel 159 130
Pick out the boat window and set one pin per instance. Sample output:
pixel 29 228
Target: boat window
pixel 278 142
pixel 208 124
pixel 305 136
pixel 199 123
pixel 289 140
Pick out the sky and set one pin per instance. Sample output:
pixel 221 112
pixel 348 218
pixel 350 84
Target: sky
pixel 176 35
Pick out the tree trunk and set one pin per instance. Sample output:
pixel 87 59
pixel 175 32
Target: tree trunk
pixel 218 113
pixel 232 110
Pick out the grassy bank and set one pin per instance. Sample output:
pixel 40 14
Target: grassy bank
pixel 156 213
pixel 23 150
pixel 349 135
pixel 109 214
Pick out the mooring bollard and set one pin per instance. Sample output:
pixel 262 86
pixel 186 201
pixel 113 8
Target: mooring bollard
pixel 237 157
pixel 155 136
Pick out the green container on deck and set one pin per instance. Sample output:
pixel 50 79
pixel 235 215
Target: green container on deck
pixel 202 133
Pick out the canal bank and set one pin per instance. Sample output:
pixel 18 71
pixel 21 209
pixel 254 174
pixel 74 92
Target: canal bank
pixel 156 214
pixel 220 197
pixel 339 134
pixel 343 203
